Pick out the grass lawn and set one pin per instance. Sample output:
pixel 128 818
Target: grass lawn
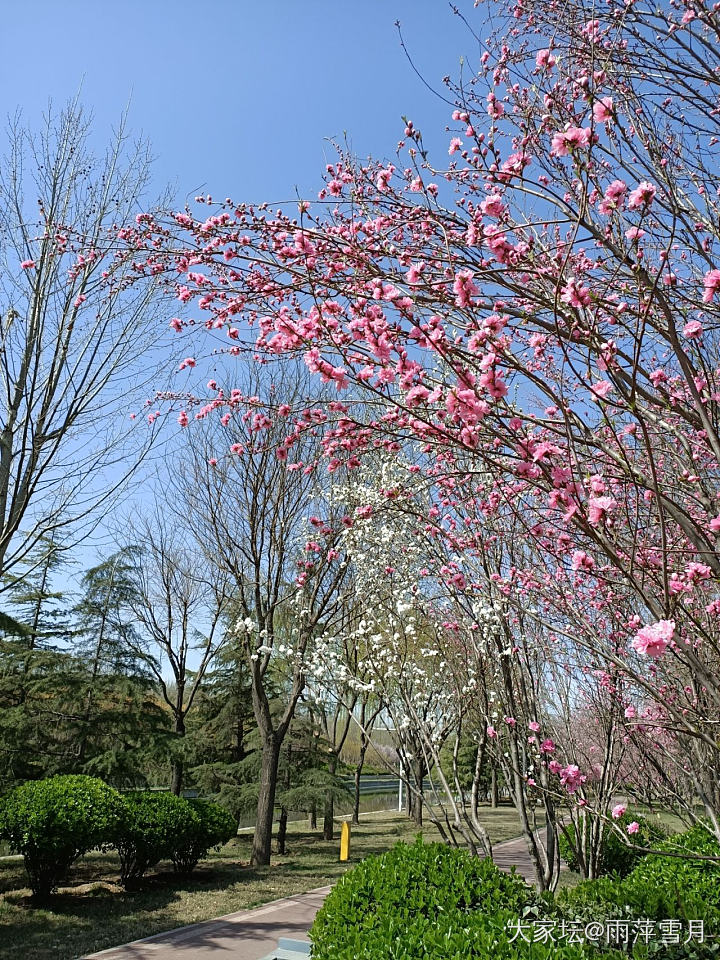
pixel 93 912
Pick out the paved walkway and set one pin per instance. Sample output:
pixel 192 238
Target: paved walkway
pixel 252 934
pixel 514 853
pixel 246 935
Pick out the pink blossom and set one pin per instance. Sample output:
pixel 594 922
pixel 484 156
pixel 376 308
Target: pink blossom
pixel 711 285
pixel 642 196
pixel 693 330
pixel 414 275
pixel 613 197
pixel 383 178
pixel 492 206
pixel 548 746
pixel 581 561
pixel 571 778
pixel 510 721
pixel 464 288
pixel 579 136
pixel 602 389
pixel 534 726
pixel 27 265
pixel 558 146
pixel 491 732
pixel 599 508
pixel 494 108
pixel 554 766
pixel 576 296
pixel 455 145
pixel 183 419
pixel 633 827
pixel 603 110
pixel 634 233
pixel 572 138
pixel 630 712
pixel 618 810
pixel 513 166
pixel 544 60
pixel 652 639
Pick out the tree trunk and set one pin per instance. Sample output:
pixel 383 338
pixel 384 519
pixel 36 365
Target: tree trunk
pixel 329 812
pixel 282 831
pixel 239 750
pixel 177 764
pixel 282 825
pixel 356 800
pixel 417 807
pixel 493 788
pixel 260 856
pixel 313 817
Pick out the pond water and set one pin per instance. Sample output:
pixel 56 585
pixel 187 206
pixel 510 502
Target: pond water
pixel 368 804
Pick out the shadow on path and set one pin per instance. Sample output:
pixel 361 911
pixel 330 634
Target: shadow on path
pixel 252 934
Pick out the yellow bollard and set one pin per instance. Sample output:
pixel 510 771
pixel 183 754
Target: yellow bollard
pixel 345 841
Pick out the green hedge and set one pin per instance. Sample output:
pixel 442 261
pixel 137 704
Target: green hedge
pixel 616 857
pixel 161 826
pixel 213 825
pixel 154 826
pixel 53 822
pixel 659 888
pixel 429 902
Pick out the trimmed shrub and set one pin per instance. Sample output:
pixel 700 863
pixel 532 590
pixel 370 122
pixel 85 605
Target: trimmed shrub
pixel 53 822
pixel 429 902
pixel 676 887
pixel 659 888
pixel 153 827
pixel 214 826
pixel 616 857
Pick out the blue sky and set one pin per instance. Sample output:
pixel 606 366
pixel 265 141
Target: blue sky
pixel 236 97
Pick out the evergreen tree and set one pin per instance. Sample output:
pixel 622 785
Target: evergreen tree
pixel 34 665
pixel 119 727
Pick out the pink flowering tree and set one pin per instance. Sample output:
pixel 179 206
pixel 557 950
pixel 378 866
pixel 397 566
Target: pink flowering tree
pixel 536 318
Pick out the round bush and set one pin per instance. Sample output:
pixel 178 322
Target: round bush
pixel 428 902
pixel 53 822
pixel 616 857
pixel 154 825
pixel 214 826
